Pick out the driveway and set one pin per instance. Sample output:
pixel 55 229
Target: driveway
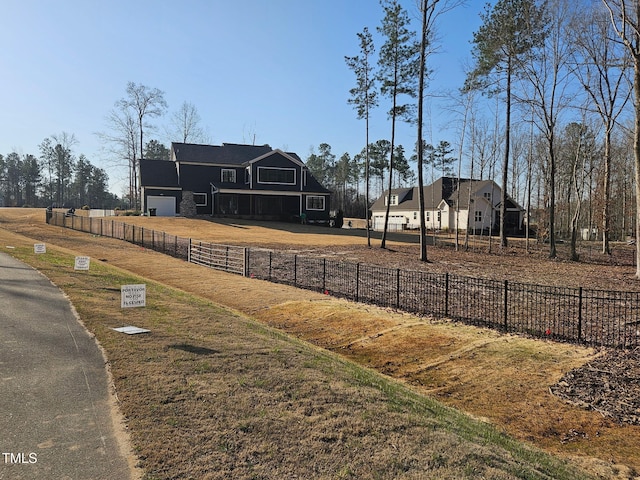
pixel 56 418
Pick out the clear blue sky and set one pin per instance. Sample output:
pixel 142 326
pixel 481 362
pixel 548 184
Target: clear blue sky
pixel 270 68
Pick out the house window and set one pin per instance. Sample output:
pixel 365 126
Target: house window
pixel 487 195
pixel 315 203
pixel 428 216
pixel 394 200
pixel 478 216
pixel 247 175
pixel 280 176
pixel 228 175
pixel 415 215
pixel 439 215
pixel 200 199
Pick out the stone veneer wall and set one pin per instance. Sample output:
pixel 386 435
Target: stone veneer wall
pixel 188 205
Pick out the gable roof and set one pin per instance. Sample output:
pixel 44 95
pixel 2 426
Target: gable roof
pixel 225 154
pixel 408 197
pixel 158 173
pixel 444 189
pixel 289 156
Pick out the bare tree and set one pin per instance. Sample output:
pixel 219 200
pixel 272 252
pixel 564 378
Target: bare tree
pixel 185 125
pixel 625 18
pixel 144 103
pixel 121 143
pixel 602 68
pixel 549 77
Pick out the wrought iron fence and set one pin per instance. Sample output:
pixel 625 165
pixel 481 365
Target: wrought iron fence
pixel 577 315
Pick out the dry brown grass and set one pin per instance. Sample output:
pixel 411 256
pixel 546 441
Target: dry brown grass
pixel 503 379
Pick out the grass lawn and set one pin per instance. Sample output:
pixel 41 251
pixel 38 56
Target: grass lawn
pixel 281 382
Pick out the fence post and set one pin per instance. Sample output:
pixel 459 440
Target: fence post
pixel 324 274
pixel 358 282
pixel 506 300
pixel 446 294
pixel 295 269
pixel 270 252
pixel 579 314
pixel 397 288
pixel 246 262
pixel 189 252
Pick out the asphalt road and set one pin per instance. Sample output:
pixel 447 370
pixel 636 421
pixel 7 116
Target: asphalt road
pixel 55 417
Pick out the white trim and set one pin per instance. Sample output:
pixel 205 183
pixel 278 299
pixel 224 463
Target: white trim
pixel 222 172
pixel 289 193
pixel 286 155
pixel 206 199
pixel 295 176
pixel 322 197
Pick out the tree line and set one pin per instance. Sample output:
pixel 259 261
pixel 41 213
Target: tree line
pixel 57 177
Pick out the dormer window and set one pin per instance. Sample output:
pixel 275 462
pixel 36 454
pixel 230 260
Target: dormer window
pixel 394 200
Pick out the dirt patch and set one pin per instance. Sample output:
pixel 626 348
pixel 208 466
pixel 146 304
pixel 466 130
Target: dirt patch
pixel 503 379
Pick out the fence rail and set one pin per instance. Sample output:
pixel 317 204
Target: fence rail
pixel 577 315
pixel 220 257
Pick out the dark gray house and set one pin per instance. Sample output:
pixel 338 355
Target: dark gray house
pixel 246 181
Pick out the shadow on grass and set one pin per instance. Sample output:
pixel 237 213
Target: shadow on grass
pixel 193 349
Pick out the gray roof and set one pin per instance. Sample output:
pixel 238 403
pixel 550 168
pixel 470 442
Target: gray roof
pixel 158 173
pixel 225 154
pixel 445 188
pixel 408 197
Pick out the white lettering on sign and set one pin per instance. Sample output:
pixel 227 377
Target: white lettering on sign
pixel 133 296
pixel 39 248
pixel 82 263
pixel 19 458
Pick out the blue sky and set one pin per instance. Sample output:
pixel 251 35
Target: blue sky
pixel 269 69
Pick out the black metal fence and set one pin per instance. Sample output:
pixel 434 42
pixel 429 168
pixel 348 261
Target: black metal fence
pixel 591 317
pixel 577 315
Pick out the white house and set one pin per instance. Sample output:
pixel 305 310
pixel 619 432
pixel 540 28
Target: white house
pixel 449 205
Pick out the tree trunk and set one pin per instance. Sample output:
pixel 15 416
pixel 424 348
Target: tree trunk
pixel 606 187
pixel 636 152
pixel 423 47
pixel 505 168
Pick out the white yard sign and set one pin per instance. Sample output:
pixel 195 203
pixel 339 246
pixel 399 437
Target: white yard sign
pixel 133 295
pixel 82 263
pixel 39 248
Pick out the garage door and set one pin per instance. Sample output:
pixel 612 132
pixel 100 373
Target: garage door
pixel 165 206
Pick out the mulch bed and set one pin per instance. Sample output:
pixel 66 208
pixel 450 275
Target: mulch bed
pixel 610 385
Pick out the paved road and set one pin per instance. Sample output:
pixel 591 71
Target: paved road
pixel 55 420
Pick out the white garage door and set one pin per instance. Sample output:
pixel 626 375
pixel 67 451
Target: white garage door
pixel 165 206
